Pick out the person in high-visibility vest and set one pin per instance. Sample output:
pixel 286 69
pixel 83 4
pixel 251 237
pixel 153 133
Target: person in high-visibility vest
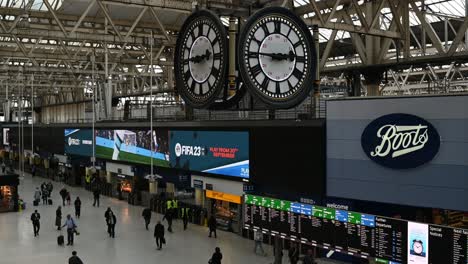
pixel 175 206
pixel 185 216
pixel 168 205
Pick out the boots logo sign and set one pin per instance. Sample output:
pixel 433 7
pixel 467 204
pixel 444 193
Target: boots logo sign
pixel 400 141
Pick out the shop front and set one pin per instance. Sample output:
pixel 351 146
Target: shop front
pixel 226 208
pixel 9 193
pixel 122 179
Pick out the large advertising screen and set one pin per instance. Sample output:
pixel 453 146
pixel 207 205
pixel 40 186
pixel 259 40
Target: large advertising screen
pixel 79 142
pixel 134 146
pixel 217 152
pixel 386 240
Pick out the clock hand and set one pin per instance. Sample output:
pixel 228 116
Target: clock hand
pixel 200 58
pixel 280 56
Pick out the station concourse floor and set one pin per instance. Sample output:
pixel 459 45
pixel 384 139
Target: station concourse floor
pixel 133 244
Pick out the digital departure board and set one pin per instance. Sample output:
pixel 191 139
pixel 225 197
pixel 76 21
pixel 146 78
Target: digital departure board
pixel 386 240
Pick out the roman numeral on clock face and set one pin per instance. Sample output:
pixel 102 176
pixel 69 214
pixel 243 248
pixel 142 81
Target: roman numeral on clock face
pixel 256 70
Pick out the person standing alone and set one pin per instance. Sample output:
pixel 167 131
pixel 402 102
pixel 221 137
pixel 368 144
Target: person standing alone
pixel 147 216
pixel 217 257
pixel 71 227
pixel 212 225
pixel 77 207
pixel 168 217
pixel 258 237
pixel 35 217
pixel 96 194
pixel 58 218
pixel 159 235
pixel 185 216
pixel 111 221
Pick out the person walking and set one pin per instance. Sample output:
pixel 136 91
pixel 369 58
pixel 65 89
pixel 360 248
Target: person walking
pixel 168 217
pixel 185 216
pixel 35 219
pixel 45 196
pixel 258 238
pixel 77 207
pixel 63 194
pixel 147 216
pixel 96 194
pixel 37 196
pixel 68 198
pixel 212 225
pixel 111 221
pixel 217 257
pixel 74 259
pixel 58 218
pixel 159 235
pixel 293 254
pixel 71 229
pixel 106 215
pixel 50 188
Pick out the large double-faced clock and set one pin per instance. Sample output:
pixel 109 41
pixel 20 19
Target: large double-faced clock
pixel 201 59
pixel 277 57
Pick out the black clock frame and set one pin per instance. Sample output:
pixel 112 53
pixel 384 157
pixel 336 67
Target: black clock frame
pixel 190 98
pixel 307 85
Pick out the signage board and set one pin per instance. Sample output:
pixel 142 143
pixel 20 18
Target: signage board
pixel 383 239
pixel 198 184
pixel 6 136
pixel 79 142
pixel 400 141
pixel 223 196
pixel 217 152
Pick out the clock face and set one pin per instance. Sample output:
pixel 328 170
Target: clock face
pixel 417 247
pixel 201 58
pixel 276 58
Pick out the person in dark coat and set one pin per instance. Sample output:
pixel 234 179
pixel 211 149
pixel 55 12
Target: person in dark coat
pixel 50 188
pixel 159 235
pixel 68 198
pixel 217 256
pixel 309 257
pixel 96 194
pixel 168 217
pixel 147 216
pixel 45 196
pixel 212 225
pixel 35 219
pixel 111 221
pixel 58 218
pixel 74 259
pixel 293 254
pixel 63 194
pixel 106 215
pixel 77 207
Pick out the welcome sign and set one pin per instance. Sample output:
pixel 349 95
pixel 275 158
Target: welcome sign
pixel 400 141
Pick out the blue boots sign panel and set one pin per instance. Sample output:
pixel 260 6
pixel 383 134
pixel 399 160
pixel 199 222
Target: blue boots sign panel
pixel 223 153
pixel 400 141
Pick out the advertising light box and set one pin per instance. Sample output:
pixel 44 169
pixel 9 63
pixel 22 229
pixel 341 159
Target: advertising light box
pixel 133 146
pixel 217 152
pixel 79 142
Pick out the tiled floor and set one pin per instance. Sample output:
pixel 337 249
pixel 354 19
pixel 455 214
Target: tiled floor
pixel 132 244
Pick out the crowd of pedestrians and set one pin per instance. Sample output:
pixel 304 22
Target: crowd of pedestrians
pixel 45 190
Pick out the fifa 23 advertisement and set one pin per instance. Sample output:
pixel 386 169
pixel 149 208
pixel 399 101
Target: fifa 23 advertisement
pixel 223 153
pixel 79 142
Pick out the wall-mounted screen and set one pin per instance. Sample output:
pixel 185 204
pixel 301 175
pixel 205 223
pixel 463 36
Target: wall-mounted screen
pixel 79 142
pixel 386 240
pixel 217 152
pixel 134 146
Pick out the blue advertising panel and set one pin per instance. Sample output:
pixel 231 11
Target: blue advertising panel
pixel 223 153
pixel 79 142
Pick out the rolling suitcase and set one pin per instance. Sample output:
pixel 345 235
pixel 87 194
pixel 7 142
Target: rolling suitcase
pixel 60 240
pixel 50 201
